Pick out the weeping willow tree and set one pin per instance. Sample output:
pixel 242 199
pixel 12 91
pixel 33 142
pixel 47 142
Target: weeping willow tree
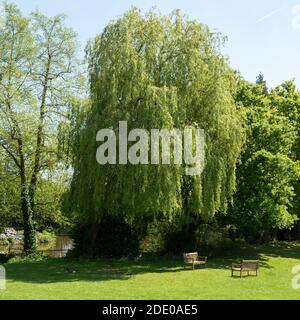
pixel 158 72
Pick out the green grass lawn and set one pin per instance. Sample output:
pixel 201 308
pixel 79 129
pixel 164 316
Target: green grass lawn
pixel 156 278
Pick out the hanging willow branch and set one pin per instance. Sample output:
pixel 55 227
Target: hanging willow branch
pixel 192 87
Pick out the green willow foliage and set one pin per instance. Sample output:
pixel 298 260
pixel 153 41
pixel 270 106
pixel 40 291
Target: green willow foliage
pixel 158 72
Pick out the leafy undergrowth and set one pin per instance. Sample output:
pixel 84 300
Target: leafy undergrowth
pixel 156 277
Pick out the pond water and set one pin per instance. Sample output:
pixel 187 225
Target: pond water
pixel 59 249
pixel 63 244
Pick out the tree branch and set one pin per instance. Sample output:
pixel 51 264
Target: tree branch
pixel 10 153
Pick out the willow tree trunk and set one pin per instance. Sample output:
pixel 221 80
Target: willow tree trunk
pixel 91 239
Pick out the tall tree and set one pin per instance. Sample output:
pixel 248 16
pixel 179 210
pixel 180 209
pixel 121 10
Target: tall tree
pixel 158 72
pixel 268 173
pixel 37 63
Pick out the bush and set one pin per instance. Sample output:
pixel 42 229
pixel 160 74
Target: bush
pixel 208 239
pixel 210 236
pixel 10 232
pixel 115 238
pixel 34 257
pixel 154 241
pixel 180 241
pixel 46 237
pixel 4 241
pixel 5 257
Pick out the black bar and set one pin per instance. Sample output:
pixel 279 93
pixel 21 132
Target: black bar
pixel 124 309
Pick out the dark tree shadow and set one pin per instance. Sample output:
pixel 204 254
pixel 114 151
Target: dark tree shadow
pixel 54 270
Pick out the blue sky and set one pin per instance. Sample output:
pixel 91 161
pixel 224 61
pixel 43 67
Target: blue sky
pixel 263 35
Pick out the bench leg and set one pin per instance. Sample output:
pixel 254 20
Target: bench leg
pixel 240 274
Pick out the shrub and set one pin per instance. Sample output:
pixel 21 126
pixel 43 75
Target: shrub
pixel 4 241
pixel 180 241
pixel 115 238
pixel 154 241
pixel 210 236
pixel 5 257
pixel 208 239
pixel 46 237
pixel 34 257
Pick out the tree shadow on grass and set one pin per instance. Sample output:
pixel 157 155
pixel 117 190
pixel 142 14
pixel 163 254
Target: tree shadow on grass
pixel 58 270
pixel 288 250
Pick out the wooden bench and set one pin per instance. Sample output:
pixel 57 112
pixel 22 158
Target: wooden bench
pixel 245 266
pixel 192 259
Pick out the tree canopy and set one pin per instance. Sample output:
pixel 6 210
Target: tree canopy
pixel 166 72
pixel 37 81
pixel 267 195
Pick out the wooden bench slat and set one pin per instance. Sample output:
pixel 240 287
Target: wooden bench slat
pixel 245 266
pixel 193 259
